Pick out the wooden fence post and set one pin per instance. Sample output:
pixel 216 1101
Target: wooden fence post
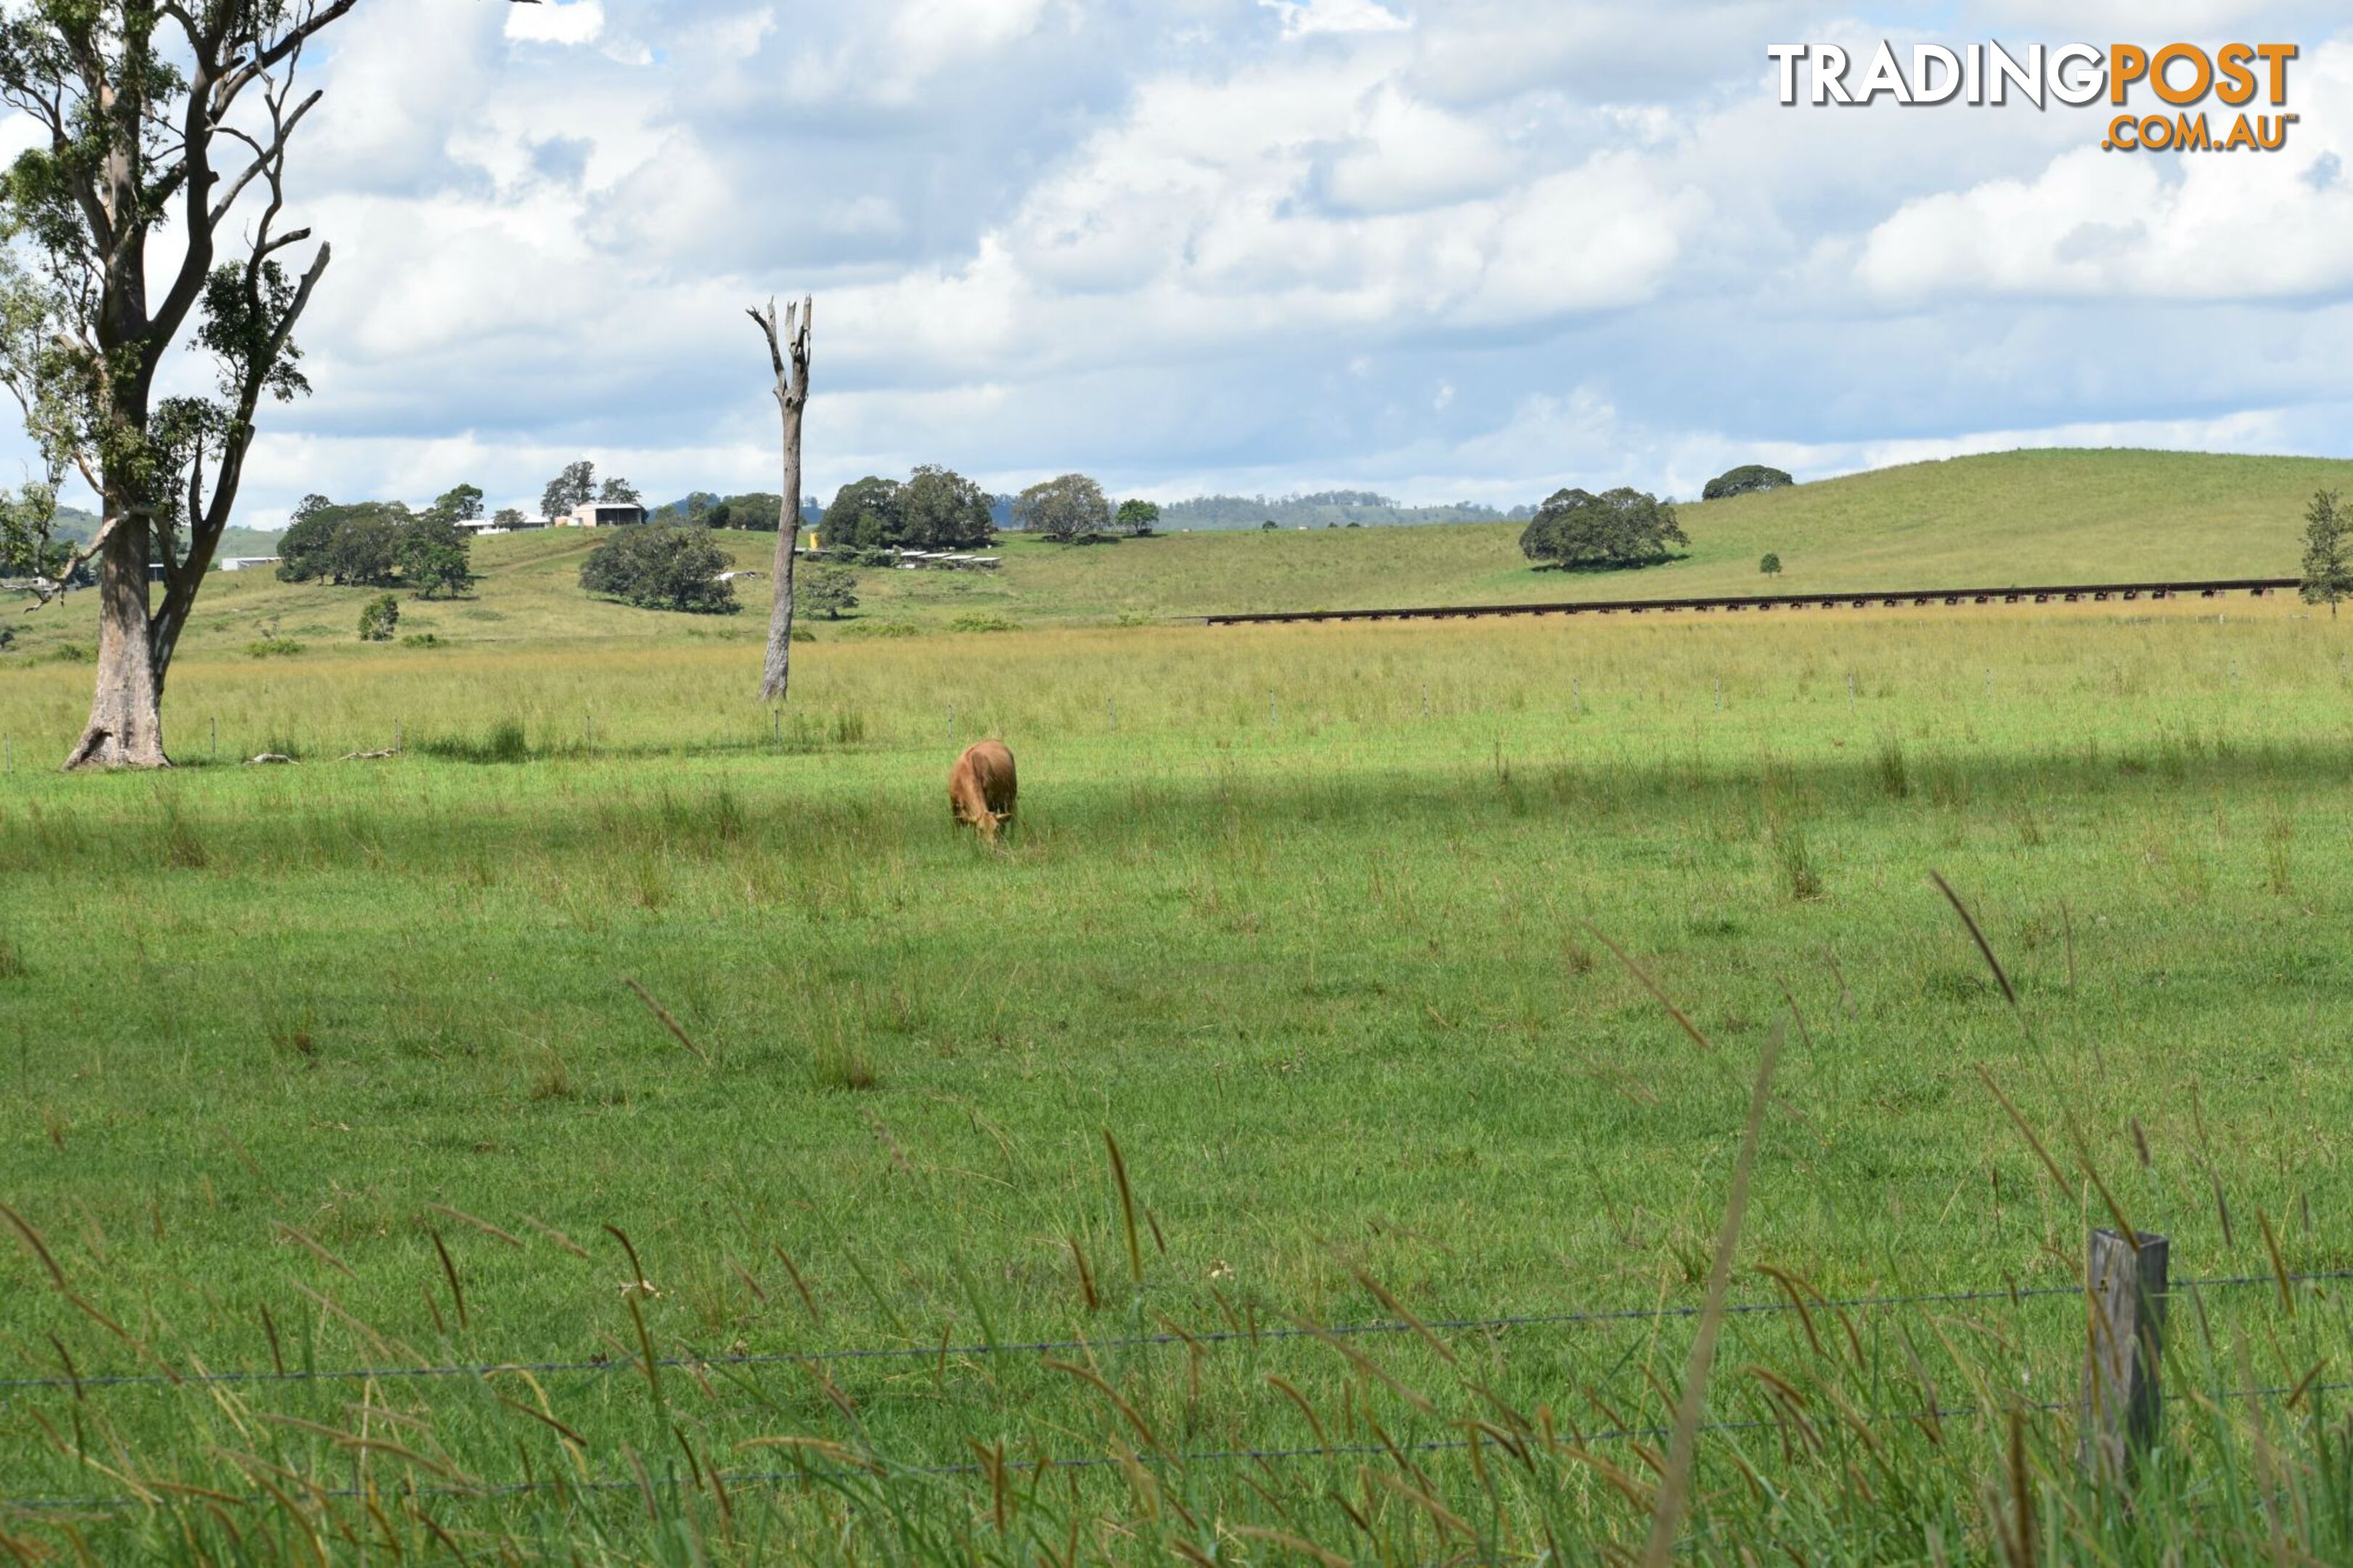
pixel 2124 1398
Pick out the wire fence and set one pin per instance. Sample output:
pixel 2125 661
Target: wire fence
pixel 1254 1335
pixel 1325 1451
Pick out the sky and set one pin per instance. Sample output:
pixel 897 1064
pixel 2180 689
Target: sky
pixel 1445 249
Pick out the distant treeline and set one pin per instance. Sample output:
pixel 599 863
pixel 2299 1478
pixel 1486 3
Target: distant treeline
pixel 758 511
pixel 1341 506
pixel 76 527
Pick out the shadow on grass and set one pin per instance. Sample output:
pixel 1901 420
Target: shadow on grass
pixel 891 806
pixel 504 742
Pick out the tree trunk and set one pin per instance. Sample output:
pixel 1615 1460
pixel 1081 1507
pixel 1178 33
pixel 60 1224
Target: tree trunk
pixel 788 356
pixel 126 715
pixel 778 668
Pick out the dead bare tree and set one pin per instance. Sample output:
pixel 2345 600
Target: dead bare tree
pixel 788 340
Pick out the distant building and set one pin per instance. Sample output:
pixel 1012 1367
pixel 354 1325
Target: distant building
pixel 479 526
pixel 246 563
pixel 602 515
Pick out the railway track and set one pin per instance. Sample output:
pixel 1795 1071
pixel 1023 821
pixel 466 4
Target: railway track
pixel 2070 594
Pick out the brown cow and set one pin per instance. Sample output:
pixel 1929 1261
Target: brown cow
pixel 981 788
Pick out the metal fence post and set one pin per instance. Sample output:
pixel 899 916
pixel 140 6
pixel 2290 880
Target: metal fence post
pixel 2124 1398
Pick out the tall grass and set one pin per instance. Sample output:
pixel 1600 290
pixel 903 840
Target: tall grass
pixel 1831 1431
pixel 366 1082
pixel 504 742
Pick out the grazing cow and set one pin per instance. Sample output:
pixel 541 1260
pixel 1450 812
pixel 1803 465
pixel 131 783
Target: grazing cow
pixel 981 788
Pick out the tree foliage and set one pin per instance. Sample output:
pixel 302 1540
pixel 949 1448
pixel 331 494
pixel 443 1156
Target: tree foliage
pixel 828 591
pixel 939 509
pixel 345 545
pixel 934 508
pixel 380 618
pixel 460 504
pixel 435 555
pixel 27 517
pixel 1577 530
pixel 378 544
pixel 1770 564
pixel 151 122
pixel 619 492
pixel 2328 570
pixel 574 486
pixel 1138 519
pixel 657 567
pixel 1747 479
pixel 754 512
pixel 1064 510
pixel 864 513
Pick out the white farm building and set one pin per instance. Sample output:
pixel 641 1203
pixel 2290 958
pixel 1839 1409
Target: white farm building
pixel 601 514
pixel 589 514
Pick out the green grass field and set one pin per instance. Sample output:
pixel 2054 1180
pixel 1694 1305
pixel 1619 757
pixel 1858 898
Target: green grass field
pixel 339 1066
pixel 2017 518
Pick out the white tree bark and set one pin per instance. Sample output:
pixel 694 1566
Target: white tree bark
pixel 789 356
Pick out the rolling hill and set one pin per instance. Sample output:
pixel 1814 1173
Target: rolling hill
pixel 2018 517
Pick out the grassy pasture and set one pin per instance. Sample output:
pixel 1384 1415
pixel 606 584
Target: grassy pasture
pixel 1309 919
pixel 2014 518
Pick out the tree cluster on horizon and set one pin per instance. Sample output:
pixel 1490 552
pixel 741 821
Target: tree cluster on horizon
pixel 383 544
pixel 1750 478
pixel 935 507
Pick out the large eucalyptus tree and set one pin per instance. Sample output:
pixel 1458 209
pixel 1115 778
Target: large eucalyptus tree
pixel 152 211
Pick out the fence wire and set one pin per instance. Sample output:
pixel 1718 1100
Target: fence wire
pixel 1132 1342
pixel 882 1469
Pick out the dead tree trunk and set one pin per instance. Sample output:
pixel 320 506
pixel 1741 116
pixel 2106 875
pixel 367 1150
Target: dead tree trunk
pixel 792 398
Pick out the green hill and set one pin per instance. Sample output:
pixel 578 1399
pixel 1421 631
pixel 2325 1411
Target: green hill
pixel 2014 518
pixel 76 526
pixel 2018 517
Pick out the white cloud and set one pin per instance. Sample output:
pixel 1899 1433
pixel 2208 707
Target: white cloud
pixel 2095 223
pixel 1301 18
pixel 1403 154
pixel 899 51
pixel 2129 19
pixel 941 31
pixel 559 22
pixel 1472 249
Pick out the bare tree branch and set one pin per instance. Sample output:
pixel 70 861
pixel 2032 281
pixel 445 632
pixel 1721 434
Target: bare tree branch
pixel 268 57
pixel 205 528
pixel 274 154
pixel 46 592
